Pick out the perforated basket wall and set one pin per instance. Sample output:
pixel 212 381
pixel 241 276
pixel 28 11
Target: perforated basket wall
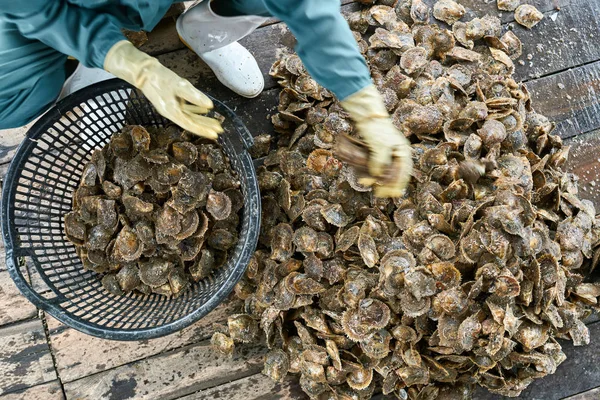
pixel 37 193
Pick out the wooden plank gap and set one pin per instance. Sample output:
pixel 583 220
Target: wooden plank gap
pixel 25 359
pixel 52 353
pixel 45 391
pixel 253 387
pixel 170 375
pixel 78 355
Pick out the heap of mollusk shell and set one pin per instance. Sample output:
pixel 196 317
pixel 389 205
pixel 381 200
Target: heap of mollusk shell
pixel 467 280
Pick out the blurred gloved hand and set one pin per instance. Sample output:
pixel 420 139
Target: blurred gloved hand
pixel 388 147
pixel 173 97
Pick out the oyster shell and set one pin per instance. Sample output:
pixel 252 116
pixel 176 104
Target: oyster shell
pixel 142 199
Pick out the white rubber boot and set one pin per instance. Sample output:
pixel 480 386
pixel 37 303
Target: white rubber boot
pixel 83 77
pixel 214 38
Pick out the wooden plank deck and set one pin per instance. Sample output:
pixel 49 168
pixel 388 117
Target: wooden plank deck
pixel 40 358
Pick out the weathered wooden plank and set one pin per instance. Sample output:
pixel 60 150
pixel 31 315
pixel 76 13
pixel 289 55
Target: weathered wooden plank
pixel 584 161
pixel 47 391
pixel 169 375
pixel 25 358
pixel 10 140
pixel 3 171
pixel 255 387
pixel 78 355
pixel 593 394
pixel 567 40
pixel 189 66
pixel 580 372
pixel 13 305
pixel 570 99
pixel 163 38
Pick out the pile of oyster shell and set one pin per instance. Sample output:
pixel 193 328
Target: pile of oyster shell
pixel 471 277
pixel 155 211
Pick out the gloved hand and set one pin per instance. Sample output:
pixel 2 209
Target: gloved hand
pixel 173 97
pixel 386 143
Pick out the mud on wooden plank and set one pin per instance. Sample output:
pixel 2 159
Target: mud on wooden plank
pixel 25 358
pixel 46 391
pixel 255 387
pixel 571 99
pixel 256 113
pixel 169 375
pixel 578 373
pixel 14 306
pixel 78 355
pixel 584 161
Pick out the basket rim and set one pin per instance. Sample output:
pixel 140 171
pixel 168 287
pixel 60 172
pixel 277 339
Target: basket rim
pixel 54 308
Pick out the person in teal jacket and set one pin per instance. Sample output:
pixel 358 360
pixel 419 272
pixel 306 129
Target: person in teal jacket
pixel 37 36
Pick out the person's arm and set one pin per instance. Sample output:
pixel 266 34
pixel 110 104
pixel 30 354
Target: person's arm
pixel 325 44
pixel 331 56
pixel 75 31
pixel 95 39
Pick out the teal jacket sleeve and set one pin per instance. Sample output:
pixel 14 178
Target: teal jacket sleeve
pixel 82 33
pixel 325 43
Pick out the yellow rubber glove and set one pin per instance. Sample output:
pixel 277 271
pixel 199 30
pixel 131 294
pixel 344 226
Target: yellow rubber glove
pixel 173 97
pixel 385 141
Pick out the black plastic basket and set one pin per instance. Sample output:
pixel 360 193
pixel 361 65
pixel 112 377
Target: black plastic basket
pixel 37 193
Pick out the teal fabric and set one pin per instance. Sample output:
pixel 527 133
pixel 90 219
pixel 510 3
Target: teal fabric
pixel 36 36
pixel 325 43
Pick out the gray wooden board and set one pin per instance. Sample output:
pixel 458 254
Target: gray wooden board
pixel 578 373
pixel 584 161
pixel 78 355
pixel 25 359
pixel 45 391
pixel 14 306
pixel 568 40
pixel 570 99
pixel 255 387
pixel 169 375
